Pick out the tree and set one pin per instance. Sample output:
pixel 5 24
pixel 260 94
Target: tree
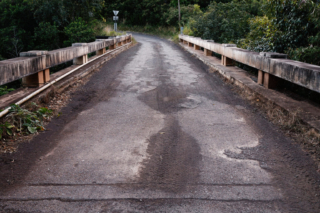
pixel 78 31
pixel 223 22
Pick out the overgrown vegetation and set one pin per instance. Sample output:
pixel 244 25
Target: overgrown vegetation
pixel 22 121
pixel 289 26
pixel 5 90
pixel 286 26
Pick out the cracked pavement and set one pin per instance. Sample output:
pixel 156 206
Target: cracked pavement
pixel 152 131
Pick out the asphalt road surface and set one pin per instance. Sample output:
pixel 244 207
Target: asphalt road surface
pixel 152 131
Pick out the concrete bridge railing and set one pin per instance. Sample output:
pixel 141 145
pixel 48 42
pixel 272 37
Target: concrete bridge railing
pixel 33 66
pixel 271 66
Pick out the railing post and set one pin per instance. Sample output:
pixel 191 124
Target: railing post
pixel 112 47
pixel 34 80
pixel 225 61
pixel 101 51
pixel 46 75
pixel 82 59
pixel 207 52
pixel 39 78
pixel 270 81
pixel 260 77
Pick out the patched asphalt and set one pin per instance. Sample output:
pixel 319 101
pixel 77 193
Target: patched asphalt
pixel 152 131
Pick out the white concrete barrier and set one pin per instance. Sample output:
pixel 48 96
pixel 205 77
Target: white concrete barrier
pixel 268 64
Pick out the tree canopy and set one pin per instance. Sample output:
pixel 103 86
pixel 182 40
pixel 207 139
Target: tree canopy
pixel 289 26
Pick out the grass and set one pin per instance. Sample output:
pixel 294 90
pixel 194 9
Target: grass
pixel 105 29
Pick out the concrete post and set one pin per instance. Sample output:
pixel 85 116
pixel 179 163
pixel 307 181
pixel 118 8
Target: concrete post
pixel 260 77
pixel 34 80
pixel 196 47
pixel 207 52
pixel 270 81
pixel 39 78
pixel 112 47
pixel 46 75
pixel 101 51
pixel 225 61
pixel 80 60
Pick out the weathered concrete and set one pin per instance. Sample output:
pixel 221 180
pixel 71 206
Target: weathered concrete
pixel 101 52
pixel 303 74
pixel 260 77
pixel 34 61
pixel 207 52
pixel 33 53
pixel 46 75
pixel 270 81
pixel 34 80
pixel 307 112
pixel 225 61
pixel 15 96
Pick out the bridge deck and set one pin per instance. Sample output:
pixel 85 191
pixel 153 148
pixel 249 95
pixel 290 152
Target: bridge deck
pixel 153 132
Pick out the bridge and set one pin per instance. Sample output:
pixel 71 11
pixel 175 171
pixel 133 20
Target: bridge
pixel 155 129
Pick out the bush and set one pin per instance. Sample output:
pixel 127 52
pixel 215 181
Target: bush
pixel 187 12
pixel 259 38
pixel 46 36
pixel 292 23
pixel 78 31
pixel 223 22
pixel 5 90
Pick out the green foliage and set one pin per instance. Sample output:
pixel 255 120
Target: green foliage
pixel 150 12
pixel 292 23
pixel 187 12
pixel 24 121
pixel 78 31
pixel 187 31
pixel 223 22
pixel 27 121
pixel 259 37
pixel 5 90
pixel 64 12
pixel 39 24
pixel 46 36
pixel 16 26
pixel 286 26
pixel 6 128
pixel 162 31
